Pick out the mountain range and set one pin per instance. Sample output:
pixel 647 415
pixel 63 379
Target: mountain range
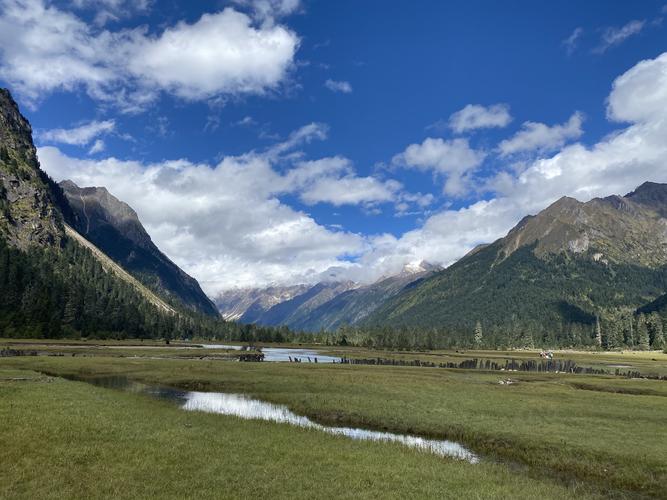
pixel 323 306
pixel 77 260
pixel 554 275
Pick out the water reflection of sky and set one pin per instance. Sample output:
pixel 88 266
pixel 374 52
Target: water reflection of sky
pixel 239 405
pixel 284 353
pixel 244 407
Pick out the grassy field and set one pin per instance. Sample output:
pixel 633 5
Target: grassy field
pixel 544 435
pixel 62 439
pixel 117 348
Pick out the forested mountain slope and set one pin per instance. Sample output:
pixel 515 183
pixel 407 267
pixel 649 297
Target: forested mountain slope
pixel 53 282
pixel 552 276
pixel 114 227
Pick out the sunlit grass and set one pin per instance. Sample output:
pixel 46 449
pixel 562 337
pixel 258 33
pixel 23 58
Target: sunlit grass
pixel 603 431
pixel 62 439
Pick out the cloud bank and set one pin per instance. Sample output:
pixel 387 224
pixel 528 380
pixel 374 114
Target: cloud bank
pixel 44 49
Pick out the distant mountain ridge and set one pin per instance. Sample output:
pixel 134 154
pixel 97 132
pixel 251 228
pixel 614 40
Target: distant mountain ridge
pixel 295 310
pixel 114 227
pixel 323 306
pixel 248 304
pixel 352 306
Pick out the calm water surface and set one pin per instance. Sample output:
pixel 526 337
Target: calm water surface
pixel 283 353
pixel 241 406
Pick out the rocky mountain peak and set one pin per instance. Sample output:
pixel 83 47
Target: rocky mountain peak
pixel 652 195
pixel 621 228
pixel 29 211
pixel 114 226
pixel 97 207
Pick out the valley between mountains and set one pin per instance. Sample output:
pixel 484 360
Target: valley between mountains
pixel 532 367
pixel 298 249
pixel 577 274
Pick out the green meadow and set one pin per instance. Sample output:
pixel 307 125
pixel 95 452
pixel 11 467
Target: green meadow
pixel 543 435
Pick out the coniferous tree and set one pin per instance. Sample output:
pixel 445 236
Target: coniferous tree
pixel 478 334
pixel 628 332
pixel 614 334
pixel 598 332
pixel 656 333
pixel 642 333
pixel 527 339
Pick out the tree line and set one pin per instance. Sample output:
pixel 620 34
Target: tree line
pixel 618 329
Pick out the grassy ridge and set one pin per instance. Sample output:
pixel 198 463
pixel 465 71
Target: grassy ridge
pixel 63 439
pixel 607 438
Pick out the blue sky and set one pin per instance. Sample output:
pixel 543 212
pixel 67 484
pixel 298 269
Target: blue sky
pixel 137 96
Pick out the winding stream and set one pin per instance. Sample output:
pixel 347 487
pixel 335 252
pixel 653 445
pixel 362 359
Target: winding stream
pixel 239 405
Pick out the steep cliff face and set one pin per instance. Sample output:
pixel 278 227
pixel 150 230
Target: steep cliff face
pixel 115 228
pixel 29 212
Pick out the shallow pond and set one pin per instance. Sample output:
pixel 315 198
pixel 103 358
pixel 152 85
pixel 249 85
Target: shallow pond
pixel 284 353
pixel 241 406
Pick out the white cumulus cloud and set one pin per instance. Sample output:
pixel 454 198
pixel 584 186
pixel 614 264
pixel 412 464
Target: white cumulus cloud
pixel 475 116
pixel 453 159
pixel 535 136
pixel 219 54
pixel 640 94
pixel 350 190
